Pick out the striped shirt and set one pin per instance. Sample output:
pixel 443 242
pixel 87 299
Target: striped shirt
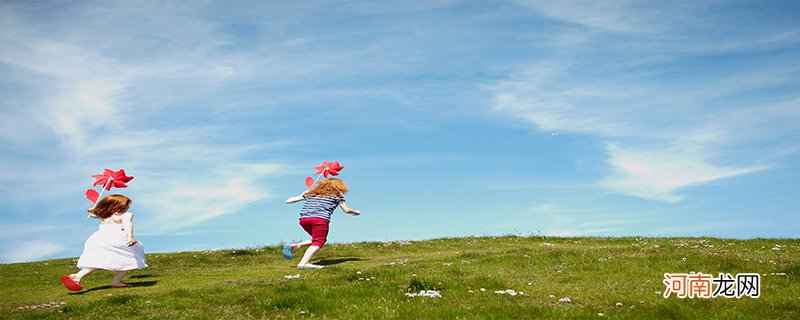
pixel 319 207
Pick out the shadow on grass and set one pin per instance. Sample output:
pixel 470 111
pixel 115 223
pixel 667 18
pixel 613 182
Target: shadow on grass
pixel 328 262
pixel 141 276
pixel 133 285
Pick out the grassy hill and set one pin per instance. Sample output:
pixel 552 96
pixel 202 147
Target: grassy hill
pixel 601 277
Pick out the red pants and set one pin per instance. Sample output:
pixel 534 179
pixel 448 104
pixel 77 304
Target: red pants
pixel 317 228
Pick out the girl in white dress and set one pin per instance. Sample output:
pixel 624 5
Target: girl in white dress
pixel 112 247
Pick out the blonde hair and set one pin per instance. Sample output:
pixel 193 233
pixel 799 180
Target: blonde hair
pixel 114 203
pixel 329 187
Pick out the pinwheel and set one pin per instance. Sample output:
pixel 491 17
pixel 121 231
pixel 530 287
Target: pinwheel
pixel 108 179
pixel 325 169
pixel 331 168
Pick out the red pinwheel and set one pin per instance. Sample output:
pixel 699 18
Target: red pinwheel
pixel 331 168
pixel 108 179
pixel 325 169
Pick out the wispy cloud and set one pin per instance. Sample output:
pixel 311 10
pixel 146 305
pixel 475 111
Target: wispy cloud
pixel 27 242
pixel 80 88
pixel 604 15
pixel 663 130
pixel 184 199
pixel 32 250
pixel 658 173
pixel 680 147
pixel 100 103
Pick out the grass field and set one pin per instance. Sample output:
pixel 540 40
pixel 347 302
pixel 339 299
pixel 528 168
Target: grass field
pixel 614 278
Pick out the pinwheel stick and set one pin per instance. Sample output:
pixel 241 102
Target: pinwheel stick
pixel 103 190
pixel 101 195
pixel 317 178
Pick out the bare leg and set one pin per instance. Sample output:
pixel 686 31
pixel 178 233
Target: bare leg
pixel 85 271
pixel 296 246
pixel 308 255
pixel 117 281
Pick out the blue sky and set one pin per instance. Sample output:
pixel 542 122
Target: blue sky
pixel 452 118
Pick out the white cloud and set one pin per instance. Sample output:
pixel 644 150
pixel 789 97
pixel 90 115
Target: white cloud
pixel 117 98
pixel 617 16
pixel 32 250
pixel 661 134
pixel 12 231
pixel 179 201
pixel 79 87
pixel 657 173
pixel 87 105
pixel 681 145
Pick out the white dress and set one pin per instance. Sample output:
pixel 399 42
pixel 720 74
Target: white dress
pixel 108 249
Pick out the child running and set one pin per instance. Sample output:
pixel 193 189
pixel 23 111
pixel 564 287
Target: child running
pixel 320 202
pixel 112 247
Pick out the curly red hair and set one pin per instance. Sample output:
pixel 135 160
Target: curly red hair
pixel 329 187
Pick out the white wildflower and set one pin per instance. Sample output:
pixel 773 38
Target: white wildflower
pixel 425 293
pixel 508 292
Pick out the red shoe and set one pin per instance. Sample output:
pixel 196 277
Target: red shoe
pixel 72 285
pixel 124 285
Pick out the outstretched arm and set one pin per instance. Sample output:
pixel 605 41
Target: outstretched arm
pixel 347 209
pixel 296 198
pixel 127 223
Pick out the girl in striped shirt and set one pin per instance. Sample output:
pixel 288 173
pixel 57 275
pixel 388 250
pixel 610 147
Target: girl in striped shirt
pixel 320 202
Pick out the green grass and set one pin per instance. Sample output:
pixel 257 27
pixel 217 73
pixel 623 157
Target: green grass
pixel 595 273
